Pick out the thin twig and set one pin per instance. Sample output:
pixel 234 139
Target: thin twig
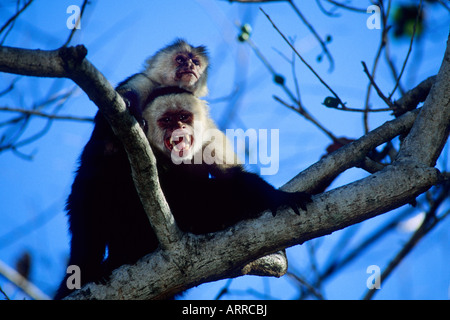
pixel 308 117
pixel 347 7
pixel 72 32
pixel 314 33
pixel 427 225
pixel 380 93
pixel 383 41
pixel 390 63
pixel 272 71
pixel 15 16
pixel 419 12
pixel 46 115
pixel 311 289
pixel 303 60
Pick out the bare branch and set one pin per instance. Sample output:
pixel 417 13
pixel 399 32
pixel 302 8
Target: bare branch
pixel 314 33
pixel 434 119
pixel 21 282
pixel 380 93
pixel 427 225
pixel 303 60
pixel 347 7
pixel 72 33
pixel 383 41
pixel 419 13
pixel 45 115
pixel 307 116
pixel 351 154
pixel 13 18
pixel 413 97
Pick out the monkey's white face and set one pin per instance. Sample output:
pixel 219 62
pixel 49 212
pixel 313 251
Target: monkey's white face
pixel 178 142
pixel 183 69
pixel 188 68
pixel 175 125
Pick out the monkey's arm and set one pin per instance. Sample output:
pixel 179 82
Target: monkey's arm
pixel 135 91
pixel 258 195
pixel 225 199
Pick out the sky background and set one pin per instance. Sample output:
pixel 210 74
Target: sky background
pixel 119 37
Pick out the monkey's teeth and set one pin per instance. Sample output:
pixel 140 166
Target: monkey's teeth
pixel 181 142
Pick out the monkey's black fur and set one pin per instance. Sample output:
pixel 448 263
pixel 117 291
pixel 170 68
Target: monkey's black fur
pixel 104 210
pixel 105 213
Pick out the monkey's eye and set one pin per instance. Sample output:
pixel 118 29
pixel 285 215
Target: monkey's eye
pixel 180 59
pixel 183 117
pixel 165 119
pixel 196 62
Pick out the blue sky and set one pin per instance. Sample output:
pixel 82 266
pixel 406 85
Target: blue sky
pixel 120 35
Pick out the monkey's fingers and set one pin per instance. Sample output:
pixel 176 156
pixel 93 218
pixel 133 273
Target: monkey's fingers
pixel 274 211
pixel 294 207
pixel 291 199
pixel 132 102
pixel 303 199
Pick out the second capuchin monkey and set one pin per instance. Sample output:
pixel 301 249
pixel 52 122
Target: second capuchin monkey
pixel 178 64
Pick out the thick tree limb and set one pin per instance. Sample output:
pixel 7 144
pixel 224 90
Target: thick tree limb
pixel 349 155
pixel 431 129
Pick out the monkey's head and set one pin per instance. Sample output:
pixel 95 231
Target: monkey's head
pixel 180 64
pixel 176 123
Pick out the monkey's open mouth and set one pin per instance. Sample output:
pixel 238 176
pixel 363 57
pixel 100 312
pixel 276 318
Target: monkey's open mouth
pixel 181 144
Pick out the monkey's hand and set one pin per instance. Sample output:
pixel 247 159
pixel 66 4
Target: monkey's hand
pixel 293 199
pixel 132 102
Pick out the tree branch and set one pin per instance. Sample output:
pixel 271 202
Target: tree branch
pixel 432 127
pixel 349 155
pixel 46 115
pixel 303 60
